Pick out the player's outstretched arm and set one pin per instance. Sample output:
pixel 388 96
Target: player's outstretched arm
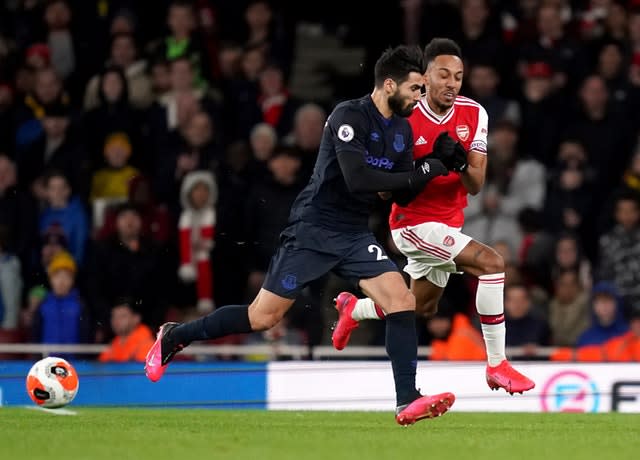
pixel 359 177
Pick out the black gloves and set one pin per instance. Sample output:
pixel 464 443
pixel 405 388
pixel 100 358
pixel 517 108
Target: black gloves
pixel 426 169
pixel 459 158
pixel 451 153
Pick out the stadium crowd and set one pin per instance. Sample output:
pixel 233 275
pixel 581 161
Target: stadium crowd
pixel 149 157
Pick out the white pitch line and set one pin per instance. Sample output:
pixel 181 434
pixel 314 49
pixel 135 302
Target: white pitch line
pixel 59 411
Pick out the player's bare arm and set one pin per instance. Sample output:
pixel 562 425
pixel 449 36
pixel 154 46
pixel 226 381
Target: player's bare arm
pixel 473 177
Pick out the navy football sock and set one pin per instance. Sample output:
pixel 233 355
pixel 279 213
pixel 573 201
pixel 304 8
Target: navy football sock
pixel 402 348
pixel 231 319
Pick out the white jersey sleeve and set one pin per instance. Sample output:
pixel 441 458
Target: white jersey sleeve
pixel 479 141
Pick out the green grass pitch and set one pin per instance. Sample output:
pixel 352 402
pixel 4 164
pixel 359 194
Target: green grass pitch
pixel 174 434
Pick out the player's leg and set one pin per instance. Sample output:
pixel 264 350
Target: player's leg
pixel 289 271
pixel 264 312
pixel 427 294
pixel 485 263
pixel 379 278
pixel 402 347
pixel 429 263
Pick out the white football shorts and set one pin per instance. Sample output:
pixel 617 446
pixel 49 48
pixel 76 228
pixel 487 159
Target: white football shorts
pixel 430 249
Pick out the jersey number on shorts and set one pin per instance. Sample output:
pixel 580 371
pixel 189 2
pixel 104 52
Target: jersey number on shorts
pixel 378 250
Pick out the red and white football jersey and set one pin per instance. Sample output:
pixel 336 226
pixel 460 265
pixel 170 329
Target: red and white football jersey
pixel 444 198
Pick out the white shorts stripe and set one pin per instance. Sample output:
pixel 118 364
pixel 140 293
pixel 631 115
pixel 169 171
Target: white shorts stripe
pixel 446 254
pixel 418 244
pixel 430 249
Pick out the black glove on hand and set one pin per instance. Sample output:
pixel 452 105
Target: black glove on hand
pixel 426 169
pixel 459 159
pixel 444 149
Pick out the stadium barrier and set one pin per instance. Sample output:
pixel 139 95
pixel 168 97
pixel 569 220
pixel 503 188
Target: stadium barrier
pixel 337 385
pixel 271 351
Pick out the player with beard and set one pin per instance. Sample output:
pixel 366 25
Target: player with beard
pixel 428 230
pixel 366 147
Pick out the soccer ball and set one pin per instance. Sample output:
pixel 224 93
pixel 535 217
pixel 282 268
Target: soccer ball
pixel 52 382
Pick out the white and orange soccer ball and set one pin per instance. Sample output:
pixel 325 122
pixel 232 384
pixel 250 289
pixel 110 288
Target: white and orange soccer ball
pixel 52 382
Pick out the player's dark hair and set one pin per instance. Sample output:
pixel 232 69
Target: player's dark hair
pixel 441 47
pixel 397 63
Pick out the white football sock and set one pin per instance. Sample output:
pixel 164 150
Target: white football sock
pixel 490 307
pixel 365 309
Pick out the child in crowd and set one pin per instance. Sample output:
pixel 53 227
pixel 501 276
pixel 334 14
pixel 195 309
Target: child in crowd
pixel 61 317
pixel 198 196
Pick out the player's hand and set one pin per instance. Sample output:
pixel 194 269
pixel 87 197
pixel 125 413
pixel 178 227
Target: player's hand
pixel 460 163
pixel 444 149
pixel 385 195
pixel 427 169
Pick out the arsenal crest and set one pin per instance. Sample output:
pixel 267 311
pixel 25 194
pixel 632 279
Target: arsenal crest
pixel 448 240
pixel 463 132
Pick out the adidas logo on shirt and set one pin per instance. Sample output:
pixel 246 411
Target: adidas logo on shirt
pixel 421 141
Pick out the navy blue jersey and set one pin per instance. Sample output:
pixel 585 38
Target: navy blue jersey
pixel 355 127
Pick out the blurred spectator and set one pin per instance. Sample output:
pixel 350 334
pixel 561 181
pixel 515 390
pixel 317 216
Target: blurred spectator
pixel 47 92
pixel 160 78
pixel 308 126
pixel 263 139
pixel 483 84
pixel 626 347
pixel 616 22
pixel 175 108
pixel 536 247
pixel 127 265
pixel 612 68
pixel 478 36
pixel 513 184
pixel 267 211
pixel 454 338
pixel 124 55
pixel 157 224
pixel 569 255
pixel 607 319
pixel 57 18
pixel 485 220
pixel 605 135
pixel 619 251
pixel 629 185
pixel 554 45
pixel 229 58
pixel 571 187
pixel 265 29
pixel 35 296
pixel 276 104
pixel 55 148
pixel 569 313
pixel 182 41
pixel 132 340
pixel 10 284
pixel 52 241
pixel 7 116
pixel 111 113
pixel 241 93
pixel 61 317
pixel 519 178
pixel 17 213
pixel 66 211
pixel 110 185
pixel 198 195
pixel 38 56
pixel 541 105
pixel 524 327
pixel 194 147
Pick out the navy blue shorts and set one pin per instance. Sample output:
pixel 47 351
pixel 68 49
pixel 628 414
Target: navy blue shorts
pixel 308 252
